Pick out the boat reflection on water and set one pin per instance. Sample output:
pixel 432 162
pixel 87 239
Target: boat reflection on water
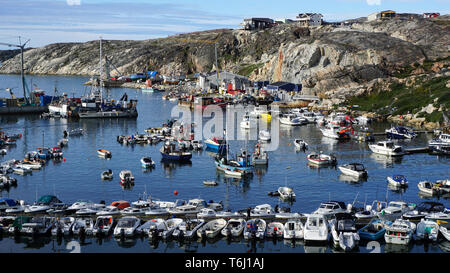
pixel 444 245
pixel 352 179
pixel 397 189
pixel 239 182
pixel 260 171
pixel 397 248
pixel 127 242
pixel 169 167
pixel 319 167
pixel 385 160
pixel 315 248
pixel 33 242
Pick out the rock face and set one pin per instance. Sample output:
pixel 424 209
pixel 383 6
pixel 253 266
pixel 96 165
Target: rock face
pixel 332 61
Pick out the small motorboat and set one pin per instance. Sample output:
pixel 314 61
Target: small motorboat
pixel 397 181
pixel 353 169
pixel 188 229
pixel 104 153
pixel 133 211
pixel 286 193
pixel 427 230
pixel 152 228
pixel 108 210
pixel 400 132
pixel 374 230
pixel 259 156
pixel 210 183
pixel 126 226
pixel 234 228
pixel 275 230
pixel 300 144
pixel 442 217
pixel 387 148
pixel 316 229
pixel 422 210
pixel 344 232
pixel 255 229
pixel 126 177
pixel 83 226
pixel 211 229
pixel 22 170
pixel 428 188
pixel 445 232
pixel 147 162
pixel 394 210
pixel 206 213
pixel 292 120
pixel 321 159
pixel 107 175
pixel 400 232
pixel 330 208
pixel 103 225
pixel 63 226
pixel 38 226
pixel 293 229
pixel 263 211
pixel 172 225
pixel 76 132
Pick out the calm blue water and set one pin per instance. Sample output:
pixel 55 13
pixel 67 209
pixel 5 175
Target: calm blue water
pixel 79 176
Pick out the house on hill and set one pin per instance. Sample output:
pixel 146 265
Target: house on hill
pixel 257 23
pixel 310 19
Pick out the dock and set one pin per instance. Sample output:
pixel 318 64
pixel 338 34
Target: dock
pixel 418 150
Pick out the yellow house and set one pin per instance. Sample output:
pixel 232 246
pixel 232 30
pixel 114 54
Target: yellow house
pixel 387 14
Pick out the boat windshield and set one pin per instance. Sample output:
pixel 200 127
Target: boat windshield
pixel 126 223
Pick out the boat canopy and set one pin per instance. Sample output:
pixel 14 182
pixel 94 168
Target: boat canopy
pixel 46 199
pixel 9 201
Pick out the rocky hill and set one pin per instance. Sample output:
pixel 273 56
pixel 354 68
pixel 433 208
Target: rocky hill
pixel 333 62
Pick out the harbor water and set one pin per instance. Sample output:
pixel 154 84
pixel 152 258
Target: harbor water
pixel 77 177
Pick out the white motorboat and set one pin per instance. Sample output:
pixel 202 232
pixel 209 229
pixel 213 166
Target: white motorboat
pixel 422 210
pixel 427 230
pixel 353 169
pixel 234 228
pixel 445 232
pixel 104 153
pixel 212 228
pixel 44 203
pixel 441 140
pixel 29 165
pixel 262 211
pixel 192 207
pixel 292 120
pixel 22 170
pixel 38 226
pixel 344 232
pixel 321 159
pixel 103 225
pixel 397 181
pixel 206 213
pixel 309 116
pixel 335 132
pixel 172 225
pixel 107 175
pixel 264 135
pixel 400 232
pixel 428 188
pixel 387 147
pixel 147 162
pixel 229 214
pixel 83 226
pixel 210 183
pixel 275 230
pixel 92 210
pixel 157 211
pixel 76 132
pixel 255 229
pixel 197 145
pixel 293 229
pixel 63 226
pixel 126 226
pixel 316 229
pixel 394 210
pixel 152 228
pixel 188 229
pixel 286 193
pixel 330 208
pixel 82 204
pixel 300 144
pixel 442 217
pixel 288 215
pixel 133 211
pixel 400 132
pixel 126 176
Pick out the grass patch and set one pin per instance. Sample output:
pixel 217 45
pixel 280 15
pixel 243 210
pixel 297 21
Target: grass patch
pixel 248 69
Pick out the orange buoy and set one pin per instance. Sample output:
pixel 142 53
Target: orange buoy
pixel 175 192
pixel 64 159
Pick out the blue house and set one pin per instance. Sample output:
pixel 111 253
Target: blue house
pixel 284 86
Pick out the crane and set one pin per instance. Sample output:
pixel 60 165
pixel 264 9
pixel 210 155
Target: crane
pixel 21 46
pixel 188 40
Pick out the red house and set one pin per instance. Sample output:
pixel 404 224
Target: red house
pixel 431 15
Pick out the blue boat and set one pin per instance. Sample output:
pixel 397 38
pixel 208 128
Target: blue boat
pixel 44 153
pixel 400 132
pixel 374 230
pixel 398 181
pixel 170 152
pixel 242 164
pixel 216 145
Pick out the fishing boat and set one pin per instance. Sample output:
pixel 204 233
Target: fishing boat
pixel 300 144
pixel 387 148
pixel 427 230
pixel 316 229
pixel 63 226
pixel 103 225
pixel 234 228
pixel 211 229
pixel 343 231
pixel 255 229
pixel 126 177
pixel 259 156
pixel 353 169
pixel 397 181
pixel 126 226
pixel 237 167
pixel 321 159
pixel 286 193
pixel 292 120
pixel 170 152
pixel 264 135
pixel 400 132
pixel 293 229
pixel 107 175
pixel 428 188
pixel 275 230
pixel 374 230
pixel 422 210
pixel 188 229
pixel 400 232
pixel 147 162
pixel 104 153
pixel 215 144
pixel 43 153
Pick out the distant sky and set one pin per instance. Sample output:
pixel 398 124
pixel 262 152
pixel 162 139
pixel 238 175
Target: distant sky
pixel 51 21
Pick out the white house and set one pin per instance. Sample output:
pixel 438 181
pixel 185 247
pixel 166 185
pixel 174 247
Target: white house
pixel 373 16
pixel 310 19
